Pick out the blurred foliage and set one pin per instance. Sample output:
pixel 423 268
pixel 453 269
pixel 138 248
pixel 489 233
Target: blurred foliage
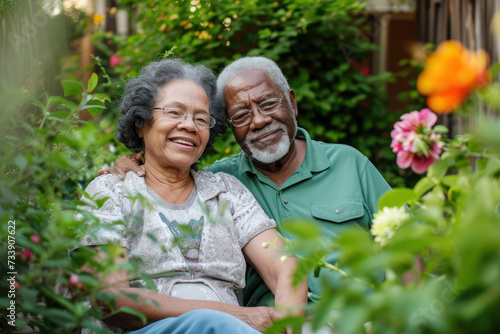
pixel 316 44
pixel 45 146
pixel 453 225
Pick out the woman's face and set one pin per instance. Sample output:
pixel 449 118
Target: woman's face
pixel 172 143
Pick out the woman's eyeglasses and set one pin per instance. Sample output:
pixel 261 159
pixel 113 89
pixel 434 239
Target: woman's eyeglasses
pixel 200 120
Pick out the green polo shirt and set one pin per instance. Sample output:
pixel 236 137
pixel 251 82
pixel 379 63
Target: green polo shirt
pixel 336 186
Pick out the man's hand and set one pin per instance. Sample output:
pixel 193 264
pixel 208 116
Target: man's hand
pixel 126 163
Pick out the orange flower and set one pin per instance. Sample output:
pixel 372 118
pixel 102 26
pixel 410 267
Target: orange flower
pixel 451 73
pixel 98 18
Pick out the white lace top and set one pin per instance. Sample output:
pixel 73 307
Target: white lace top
pixel 225 217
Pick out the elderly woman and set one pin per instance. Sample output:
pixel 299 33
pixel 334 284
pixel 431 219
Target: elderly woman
pixel 191 231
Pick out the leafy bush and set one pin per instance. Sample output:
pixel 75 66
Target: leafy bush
pixel 45 146
pixel 453 224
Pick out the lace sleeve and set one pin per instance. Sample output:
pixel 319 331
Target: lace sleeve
pixel 109 229
pixel 249 217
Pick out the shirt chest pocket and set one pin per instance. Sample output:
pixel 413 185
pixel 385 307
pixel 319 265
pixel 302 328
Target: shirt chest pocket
pixel 338 211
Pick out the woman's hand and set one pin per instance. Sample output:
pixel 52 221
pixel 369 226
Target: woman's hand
pixel 259 317
pixel 126 163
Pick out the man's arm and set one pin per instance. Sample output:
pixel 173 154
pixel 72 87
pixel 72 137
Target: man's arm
pixel 126 163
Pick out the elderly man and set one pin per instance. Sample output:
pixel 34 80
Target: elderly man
pixel 290 175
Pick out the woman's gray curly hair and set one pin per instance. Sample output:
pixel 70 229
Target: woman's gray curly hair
pixel 141 92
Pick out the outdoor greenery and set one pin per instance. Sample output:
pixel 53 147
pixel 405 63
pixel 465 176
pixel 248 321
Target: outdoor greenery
pixel 49 151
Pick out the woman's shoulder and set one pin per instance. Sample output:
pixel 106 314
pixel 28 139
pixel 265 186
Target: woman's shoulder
pixel 217 183
pixel 104 184
pixel 110 183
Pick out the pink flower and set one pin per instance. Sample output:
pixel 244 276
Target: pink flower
pixel 365 71
pixel 114 60
pixel 74 282
pixel 35 238
pixel 414 141
pixel 27 254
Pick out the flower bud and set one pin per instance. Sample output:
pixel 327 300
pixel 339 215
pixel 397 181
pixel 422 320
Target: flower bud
pixel 35 238
pixel 265 244
pixel 27 254
pixel 74 282
pixel 284 258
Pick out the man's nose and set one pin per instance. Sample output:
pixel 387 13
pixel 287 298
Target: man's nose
pixel 259 120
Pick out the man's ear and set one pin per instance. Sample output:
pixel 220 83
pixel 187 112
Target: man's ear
pixel 294 102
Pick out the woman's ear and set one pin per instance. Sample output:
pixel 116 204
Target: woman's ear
pixel 140 134
pixel 139 130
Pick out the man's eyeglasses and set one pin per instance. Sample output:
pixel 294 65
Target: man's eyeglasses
pixel 243 117
pixel 200 120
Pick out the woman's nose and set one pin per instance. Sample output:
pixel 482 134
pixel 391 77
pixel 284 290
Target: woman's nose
pixel 188 121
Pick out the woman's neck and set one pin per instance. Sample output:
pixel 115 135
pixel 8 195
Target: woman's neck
pixel 173 185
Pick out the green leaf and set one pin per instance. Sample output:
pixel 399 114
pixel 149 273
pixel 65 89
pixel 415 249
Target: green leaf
pixel 135 312
pixel 450 180
pixel 100 202
pixel 95 108
pixel 59 316
pixel 71 87
pixel 423 186
pixel 92 82
pixel 494 69
pixel 440 129
pixel 59 114
pixel 304 229
pixel 279 326
pixel 21 162
pixel 316 271
pixel 63 101
pixel 57 262
pixel 438 169
pixel 101 97
pixel 308 264
pixel 323 311
pixel 397 197
pixel 84 193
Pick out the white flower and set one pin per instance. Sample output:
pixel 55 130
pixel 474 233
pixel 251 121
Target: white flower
pixel 386 222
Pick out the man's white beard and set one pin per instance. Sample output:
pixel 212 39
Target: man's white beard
pixel 282 147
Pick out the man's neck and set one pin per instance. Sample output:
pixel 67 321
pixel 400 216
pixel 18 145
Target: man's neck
pixel 282 169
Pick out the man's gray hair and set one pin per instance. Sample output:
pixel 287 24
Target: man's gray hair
pixel 251 63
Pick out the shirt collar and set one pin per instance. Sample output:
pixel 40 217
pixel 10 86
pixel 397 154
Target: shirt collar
pixel 315 160
pixel 208 185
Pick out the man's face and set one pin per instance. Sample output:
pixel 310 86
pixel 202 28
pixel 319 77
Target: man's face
pixel 268 137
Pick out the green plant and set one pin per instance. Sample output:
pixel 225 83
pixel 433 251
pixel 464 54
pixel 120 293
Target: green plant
pixel 453 224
